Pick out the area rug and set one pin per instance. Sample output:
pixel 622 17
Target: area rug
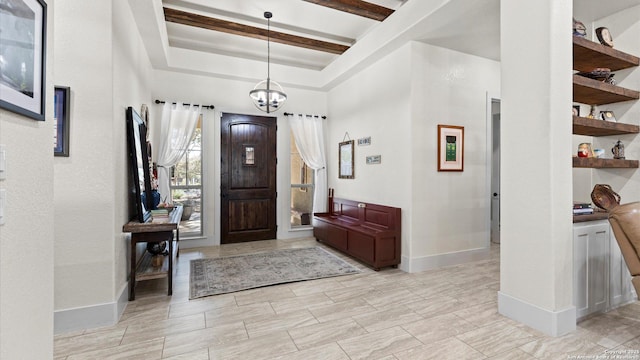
pixel 214 276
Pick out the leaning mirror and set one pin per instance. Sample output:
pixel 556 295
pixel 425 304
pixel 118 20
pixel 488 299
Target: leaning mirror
pixel 139 164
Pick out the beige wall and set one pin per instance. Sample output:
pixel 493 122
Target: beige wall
pixel 26 238
pixel 399 101
pixel 107 74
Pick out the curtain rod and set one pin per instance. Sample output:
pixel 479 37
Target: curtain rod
pixel 291 114
pixel 204 106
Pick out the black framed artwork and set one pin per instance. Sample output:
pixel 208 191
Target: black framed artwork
pixel 61 108
pixel 23 26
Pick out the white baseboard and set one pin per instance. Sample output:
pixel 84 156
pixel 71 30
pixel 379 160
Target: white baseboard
pixel 437 261
pixel 553 323
pixel 90 317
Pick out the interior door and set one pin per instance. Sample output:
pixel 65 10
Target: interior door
pixel 495 172
pixel 248 178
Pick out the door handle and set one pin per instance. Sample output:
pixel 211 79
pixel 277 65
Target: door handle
pixel 495 194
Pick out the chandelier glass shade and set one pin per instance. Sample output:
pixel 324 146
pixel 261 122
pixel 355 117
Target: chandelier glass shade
pixel 268 95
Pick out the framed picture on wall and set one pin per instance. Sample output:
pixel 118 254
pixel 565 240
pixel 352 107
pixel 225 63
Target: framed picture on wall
pixel 23 29
pixel 61 101
pixel 345 160
pixel 607 116
pixel 450 148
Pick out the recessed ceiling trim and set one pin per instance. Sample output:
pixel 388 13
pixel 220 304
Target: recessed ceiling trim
pixel 205 22
pixel 357 7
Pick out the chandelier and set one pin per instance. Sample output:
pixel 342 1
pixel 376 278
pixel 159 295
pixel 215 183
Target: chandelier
pixel 268 95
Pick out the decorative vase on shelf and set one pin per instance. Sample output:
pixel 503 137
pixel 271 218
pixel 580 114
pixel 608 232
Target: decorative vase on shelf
pixel 618 150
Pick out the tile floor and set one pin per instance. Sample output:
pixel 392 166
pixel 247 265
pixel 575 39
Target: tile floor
pixel 449 313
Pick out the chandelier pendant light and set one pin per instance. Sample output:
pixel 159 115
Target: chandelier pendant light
pixel 268 95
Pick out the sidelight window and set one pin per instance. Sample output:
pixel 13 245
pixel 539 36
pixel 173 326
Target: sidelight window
pixel 186 186
pixel 302 188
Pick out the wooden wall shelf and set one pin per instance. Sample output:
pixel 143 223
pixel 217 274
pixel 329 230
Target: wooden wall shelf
pixel 595 127
pixel 593 92
pixel 597 163
pixel 588 55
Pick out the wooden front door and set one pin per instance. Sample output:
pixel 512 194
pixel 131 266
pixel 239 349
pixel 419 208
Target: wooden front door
pixel 248 178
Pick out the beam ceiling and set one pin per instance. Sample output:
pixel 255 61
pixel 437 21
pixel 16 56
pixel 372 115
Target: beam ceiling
pixel 357 7
pixel 205 22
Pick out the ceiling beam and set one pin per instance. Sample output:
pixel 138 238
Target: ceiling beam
pixel 205 22
pixel 357 7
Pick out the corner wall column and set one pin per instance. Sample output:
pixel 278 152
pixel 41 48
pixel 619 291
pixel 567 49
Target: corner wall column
pixel 536 261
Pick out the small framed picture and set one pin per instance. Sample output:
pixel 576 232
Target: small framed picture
pixel 607 116
pixel 576 110
pixel 61 108
pixel 374 159
pixel 364 141
pixel 450 148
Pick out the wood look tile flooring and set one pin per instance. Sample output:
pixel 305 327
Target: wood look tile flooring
pixel 448 313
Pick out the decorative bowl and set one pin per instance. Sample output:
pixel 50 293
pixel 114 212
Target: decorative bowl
pixel 604 197
pixel 600 74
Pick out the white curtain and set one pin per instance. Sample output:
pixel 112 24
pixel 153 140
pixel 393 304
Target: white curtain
pixel 177 127
pixel 308 133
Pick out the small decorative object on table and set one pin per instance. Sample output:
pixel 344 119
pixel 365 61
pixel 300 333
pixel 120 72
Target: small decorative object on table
pixel 584 150
pixel 604 36
pixel 618 150
pixel 592 112
pixel 607 116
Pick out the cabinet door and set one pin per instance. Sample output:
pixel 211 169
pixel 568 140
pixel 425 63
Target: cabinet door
pixel 591 268
pixel 362 246
pixel 620 288
pixel 337 237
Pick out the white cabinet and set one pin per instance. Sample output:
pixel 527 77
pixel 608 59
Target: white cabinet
pixel 601 280
pixel 590 267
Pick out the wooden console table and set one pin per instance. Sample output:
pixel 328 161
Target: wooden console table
pixel 153 232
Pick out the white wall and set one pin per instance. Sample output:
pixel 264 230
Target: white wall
pixel 376 103
pixel 399 101
pixel 536 251
pixel 26 238
pixel 450 209
pixel 109 72
pixel 624 27
pixel 84 183
pixel 131 87
pixel 231 96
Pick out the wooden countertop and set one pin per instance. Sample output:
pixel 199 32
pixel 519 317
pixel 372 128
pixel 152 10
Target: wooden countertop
pixel 597 215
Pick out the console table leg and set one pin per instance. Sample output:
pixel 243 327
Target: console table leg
pixel 170 274
pixel 132 272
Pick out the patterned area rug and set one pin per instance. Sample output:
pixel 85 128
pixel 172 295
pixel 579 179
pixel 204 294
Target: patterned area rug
pixel 216 276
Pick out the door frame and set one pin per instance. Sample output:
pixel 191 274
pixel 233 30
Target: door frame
pixel 490 97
